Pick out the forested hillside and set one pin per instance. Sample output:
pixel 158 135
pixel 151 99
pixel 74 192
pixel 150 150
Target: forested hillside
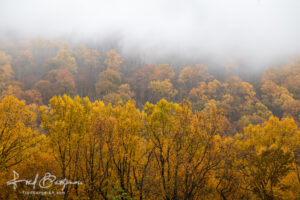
pixel 133 130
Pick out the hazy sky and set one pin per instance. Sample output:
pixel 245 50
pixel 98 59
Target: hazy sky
pixel 259 31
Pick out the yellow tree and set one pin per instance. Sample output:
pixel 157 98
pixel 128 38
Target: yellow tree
pixel 286 76
pixel 275 96
pixel 6 72
pixel 159 124
pixel 185 148
pixel 92 156
pixel 113 60
pixel 96 164
pixel 124 144
pixel 161 89
pixel 63 60
pixel 111 151
pixel 66 121
pixel 226 176
pixel 164 72
pixel 266 155
pixel 190 76
pixel 16 133
pixel 203 151
pixel 123 94
pixel 17 139
pixel 243 96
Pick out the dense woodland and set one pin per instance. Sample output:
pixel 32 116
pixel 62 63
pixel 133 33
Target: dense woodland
pixel 130 130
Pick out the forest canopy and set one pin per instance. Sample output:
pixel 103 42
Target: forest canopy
pixel 129 130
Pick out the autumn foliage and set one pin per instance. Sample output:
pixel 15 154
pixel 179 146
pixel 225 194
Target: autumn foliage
pixel 155 133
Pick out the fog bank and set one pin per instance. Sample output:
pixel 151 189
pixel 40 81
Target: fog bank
pixel 256 32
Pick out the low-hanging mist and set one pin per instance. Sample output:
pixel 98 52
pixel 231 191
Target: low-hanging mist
pixel 259 33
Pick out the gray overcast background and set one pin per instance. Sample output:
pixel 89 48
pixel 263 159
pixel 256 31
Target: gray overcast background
pixel 259 32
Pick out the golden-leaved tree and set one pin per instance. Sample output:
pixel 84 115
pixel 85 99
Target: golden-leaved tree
pixel 66 122
pixel 18 138
pixel 266 159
